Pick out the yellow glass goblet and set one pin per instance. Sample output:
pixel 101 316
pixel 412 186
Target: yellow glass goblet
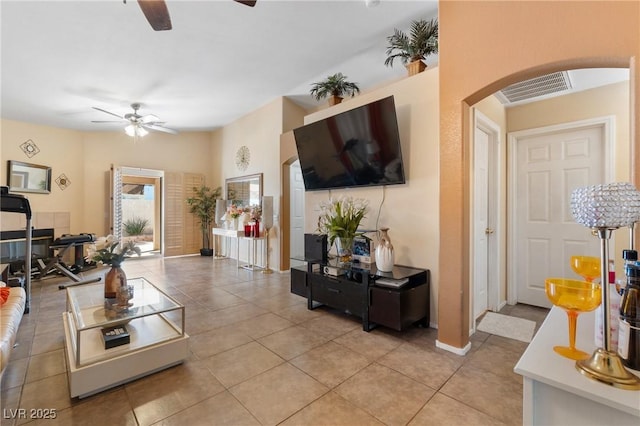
pixel 588 267
pixel 575 297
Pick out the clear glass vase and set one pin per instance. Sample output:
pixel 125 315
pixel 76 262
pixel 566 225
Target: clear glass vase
pixel 344 247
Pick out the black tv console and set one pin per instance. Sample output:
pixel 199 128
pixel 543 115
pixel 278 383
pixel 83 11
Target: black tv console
pixel 352 288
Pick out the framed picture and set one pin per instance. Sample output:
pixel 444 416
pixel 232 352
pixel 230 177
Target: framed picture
pixel 361 250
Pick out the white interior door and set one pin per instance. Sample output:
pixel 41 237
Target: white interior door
pixel 296 235
pixel 547 168
pixel 486 277
pixel 481 230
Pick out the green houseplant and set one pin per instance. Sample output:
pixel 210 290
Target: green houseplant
pixel 340 219
pixel 336 86
pixel 203 205
pixel 105 250
pixel 413 48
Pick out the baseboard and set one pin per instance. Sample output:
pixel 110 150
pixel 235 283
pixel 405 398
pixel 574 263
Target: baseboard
pixel 455 350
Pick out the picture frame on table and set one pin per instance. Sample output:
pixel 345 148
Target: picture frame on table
pixel 361 251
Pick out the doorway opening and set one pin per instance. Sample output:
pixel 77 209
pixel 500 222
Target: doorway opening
pixel 599 102
pixel 487 232
pixel 296 214
pixel 137 208
pixel 141 212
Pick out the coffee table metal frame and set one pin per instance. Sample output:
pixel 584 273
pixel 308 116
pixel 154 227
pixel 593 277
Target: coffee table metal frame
pixel 155 322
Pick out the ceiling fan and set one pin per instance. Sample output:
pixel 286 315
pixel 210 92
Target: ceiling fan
pixel 139 125
pixel 157 13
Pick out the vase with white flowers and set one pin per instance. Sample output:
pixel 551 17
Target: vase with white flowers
pixel 105 251
pixel 340 219
pixel 232 215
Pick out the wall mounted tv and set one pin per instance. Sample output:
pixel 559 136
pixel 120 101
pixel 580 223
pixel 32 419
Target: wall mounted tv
pixel 359 147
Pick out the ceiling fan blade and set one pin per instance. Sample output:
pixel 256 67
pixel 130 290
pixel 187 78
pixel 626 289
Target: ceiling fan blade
pixel 108 112
pixel 105 121
pixel 159 128
pixel 149 119
pixel 156 13
pixel 249 3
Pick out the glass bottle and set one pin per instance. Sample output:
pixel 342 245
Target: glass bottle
pixel 629 323
pixel 614 313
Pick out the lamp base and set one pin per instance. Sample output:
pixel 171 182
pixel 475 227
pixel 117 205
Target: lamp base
pixel 606 367
pixel 267 271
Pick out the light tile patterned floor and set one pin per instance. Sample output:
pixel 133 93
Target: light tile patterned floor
pixel 258 356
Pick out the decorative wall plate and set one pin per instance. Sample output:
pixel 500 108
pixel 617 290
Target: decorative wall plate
pixel 63 182
pixel 243 156
pixel 30 148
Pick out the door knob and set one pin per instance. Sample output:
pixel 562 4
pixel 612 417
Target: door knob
pixel 489 231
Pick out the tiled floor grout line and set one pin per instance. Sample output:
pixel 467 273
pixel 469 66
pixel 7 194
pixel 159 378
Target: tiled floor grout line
pixel 180 282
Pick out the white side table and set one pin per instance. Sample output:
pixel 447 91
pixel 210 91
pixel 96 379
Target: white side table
pixel 555 393
pixel 252 252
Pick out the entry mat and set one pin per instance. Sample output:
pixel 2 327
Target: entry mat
pixel 506 326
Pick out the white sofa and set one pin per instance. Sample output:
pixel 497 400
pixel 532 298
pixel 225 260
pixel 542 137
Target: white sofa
pixel 10 316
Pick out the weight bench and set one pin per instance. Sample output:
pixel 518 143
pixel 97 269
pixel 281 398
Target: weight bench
pixel 60 246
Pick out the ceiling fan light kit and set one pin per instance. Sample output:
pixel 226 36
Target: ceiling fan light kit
pixel 135 131
pixel 138 125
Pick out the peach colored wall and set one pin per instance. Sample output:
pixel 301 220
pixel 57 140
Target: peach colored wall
pixel 60 149
pixel 485 46
pixel 260 131
pixel 184 152
pixel 85 158
pixel 409 210
pixel 612 99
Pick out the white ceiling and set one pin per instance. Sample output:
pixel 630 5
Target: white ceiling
pixel 220 61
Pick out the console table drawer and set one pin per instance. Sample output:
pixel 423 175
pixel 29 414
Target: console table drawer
pixel 339 294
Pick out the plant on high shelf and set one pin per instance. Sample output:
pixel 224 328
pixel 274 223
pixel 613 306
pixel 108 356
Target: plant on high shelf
pixel 203 205
pixel 340 219
pixel 336 86
pixel 413 48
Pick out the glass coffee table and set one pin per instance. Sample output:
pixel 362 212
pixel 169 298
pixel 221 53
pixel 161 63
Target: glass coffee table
pixel 156 339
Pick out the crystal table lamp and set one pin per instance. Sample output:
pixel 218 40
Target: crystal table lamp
pixel 604 208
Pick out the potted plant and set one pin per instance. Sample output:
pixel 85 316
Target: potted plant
pixel 203 205
pixel 412 49
pixel 340 219
pixel 335 86
pixel 105 250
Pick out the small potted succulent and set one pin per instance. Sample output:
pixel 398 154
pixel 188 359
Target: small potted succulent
pixel 413 48
pixel 336 87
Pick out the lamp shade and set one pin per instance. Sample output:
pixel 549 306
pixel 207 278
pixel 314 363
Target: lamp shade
pixel 267 211
pixel 221 208
pixel 606 206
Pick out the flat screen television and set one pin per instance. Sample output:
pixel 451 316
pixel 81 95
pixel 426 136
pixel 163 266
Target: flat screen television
pixel 359 147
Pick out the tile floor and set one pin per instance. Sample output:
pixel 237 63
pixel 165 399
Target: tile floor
pixel 258 356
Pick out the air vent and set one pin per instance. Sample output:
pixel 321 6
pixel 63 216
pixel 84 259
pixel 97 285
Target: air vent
pixel 535 87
